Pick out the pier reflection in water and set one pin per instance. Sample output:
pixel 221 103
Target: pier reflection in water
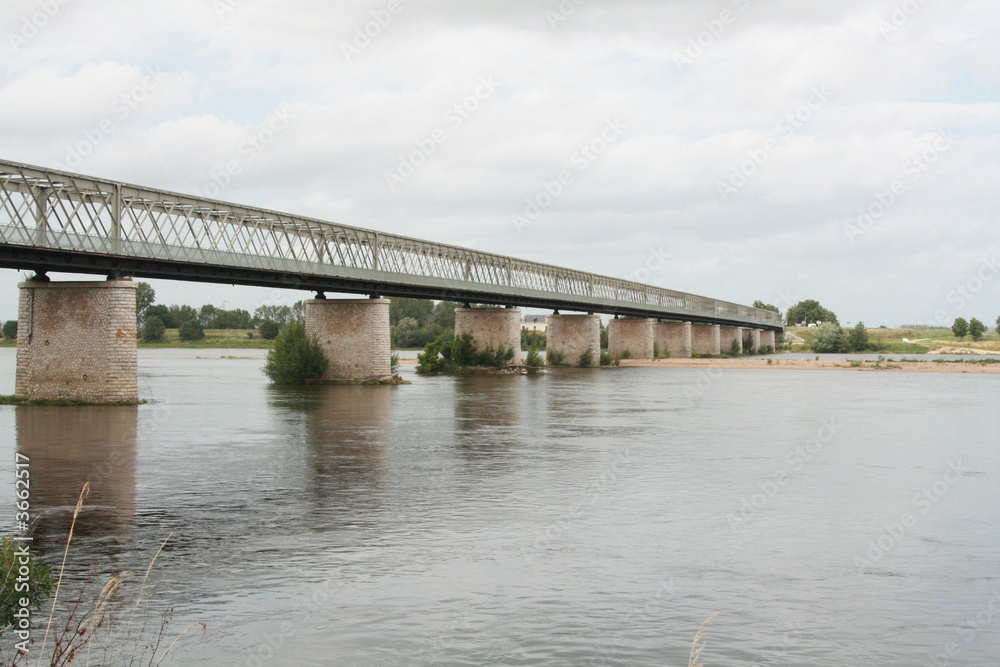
pixel 69 447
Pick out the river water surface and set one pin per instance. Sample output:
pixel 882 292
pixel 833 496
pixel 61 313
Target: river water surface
pixel 582 517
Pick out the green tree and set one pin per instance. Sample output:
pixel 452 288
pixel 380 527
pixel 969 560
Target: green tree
pixel 766 306
pixel 296 357
pixel 280 315
pixel 405 333
pixel 163 312
pixel 269 330
pixel 191 330
pixel 178 315
pixel 153 329
pixel 10 329
pixel 857 338
pixel 420 310
pixel 960 327
pixel 829 338
pixel 443 315
pixel 39 582
pixel 145 295
pixel 976 329
pixel 809 311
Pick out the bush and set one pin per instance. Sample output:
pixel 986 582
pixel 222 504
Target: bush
pixel 10 329
pixel 191 330
pixel 394 363
pixel 766 349
pixel 608 360
pixel 829 338
pixel 748 347
pixel 586 359
pixel 555 358
pixel 857 339
pixel 153 329
pixel 734 348
pixel 39 580
pixel 295 357
pixel 534 359
pixel 268 330
pixel 446 355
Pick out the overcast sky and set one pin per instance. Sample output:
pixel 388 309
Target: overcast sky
pixel 742 149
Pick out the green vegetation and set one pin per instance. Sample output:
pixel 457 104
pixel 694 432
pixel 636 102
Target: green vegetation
pixel 734 348
pixel 829 338
pixel 295 358
pixel 416 322
pixel 191 330
pixel 766 306
pixel 998 326
pixel 20 400
pixel 268 329
pixel 608 360
pixel 153 330
pixel 534 359
pixel 809 311
pixel 960 327
pixel 10 329
pixel 660 354
pixel 459 354
pixel 857 338
pixel 748 344
pixel 976 329
pixel 532 339
pixel 145 296
pixel 556 358
pixel 586 359
pixel 38 579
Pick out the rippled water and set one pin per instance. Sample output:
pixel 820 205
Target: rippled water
pixel 580 517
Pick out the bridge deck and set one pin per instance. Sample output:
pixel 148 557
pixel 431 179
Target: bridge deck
pixel 62 221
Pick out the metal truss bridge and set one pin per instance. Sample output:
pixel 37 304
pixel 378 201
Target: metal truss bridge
pixel 59 221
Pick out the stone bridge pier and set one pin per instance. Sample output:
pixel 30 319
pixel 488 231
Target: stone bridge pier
pixel 767 337
pixel 77 341
pixel 632 337
pixel 354 334
pixel 491 327
pixel 706 339
pixel 726 337
pixel 674 337
pixel 571 336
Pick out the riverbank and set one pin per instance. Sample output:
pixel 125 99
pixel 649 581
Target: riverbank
pixel 777 362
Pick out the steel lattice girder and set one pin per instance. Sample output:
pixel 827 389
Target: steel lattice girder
pixel 62 221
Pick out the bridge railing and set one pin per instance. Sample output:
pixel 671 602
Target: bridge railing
pixel 53 209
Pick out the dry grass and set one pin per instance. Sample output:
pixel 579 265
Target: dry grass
pixel 699 636
pixel 91 626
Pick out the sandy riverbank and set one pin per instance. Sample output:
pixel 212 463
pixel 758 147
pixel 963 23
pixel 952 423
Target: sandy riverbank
pixel 776 362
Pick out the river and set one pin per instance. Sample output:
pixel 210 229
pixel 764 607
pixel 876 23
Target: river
pixel 582 517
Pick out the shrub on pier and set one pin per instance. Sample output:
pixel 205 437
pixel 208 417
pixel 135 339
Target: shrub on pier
pixel 296 358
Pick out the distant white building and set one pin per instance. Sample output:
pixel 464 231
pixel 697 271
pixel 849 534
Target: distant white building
pixel 534 322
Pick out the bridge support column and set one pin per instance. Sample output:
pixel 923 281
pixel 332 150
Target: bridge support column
pixel 354 334
pixel 726 337
pixel 491 327
pixel 767 338
pixel 675 338
pixel 571 336
pixel 631 338
pixel 779 339
pixel 706 339
pixel 77 341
